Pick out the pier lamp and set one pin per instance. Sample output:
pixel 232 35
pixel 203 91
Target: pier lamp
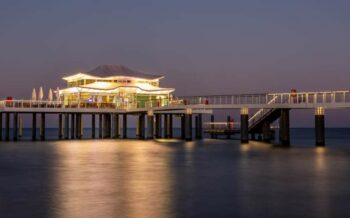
pixel 150 113
pixel 188 111
pixel 244 111
pixel 319 111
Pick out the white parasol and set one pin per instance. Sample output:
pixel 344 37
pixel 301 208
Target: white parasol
pixel 41 93
pixel 50 96
pixel 34 95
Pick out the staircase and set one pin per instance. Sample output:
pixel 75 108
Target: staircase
pixel 262 115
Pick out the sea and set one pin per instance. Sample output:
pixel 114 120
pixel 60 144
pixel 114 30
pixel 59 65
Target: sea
pixel 175 178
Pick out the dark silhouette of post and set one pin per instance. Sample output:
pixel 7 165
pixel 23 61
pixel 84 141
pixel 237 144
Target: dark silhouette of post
pixel 212 120
pixel 244 125
pixel 72 126
pixel 100 127
pixel 284 127
pixel 141 126
pixel 125 126
pixel 150 125
pixel 15 126
pixel 93 125
pixel 0 126
pixel 158 126
pixel 66 126
pixel 33 126
pixel 60 126
pixel 42 127
pixel 200 127
pixel 320 126
pixel 166 126
pixel 183 126
pixel 7 127
pixel 188 124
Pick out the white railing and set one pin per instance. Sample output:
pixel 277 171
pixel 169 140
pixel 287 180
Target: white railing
pixel 288 99
pixel 330 97
pixel 59 104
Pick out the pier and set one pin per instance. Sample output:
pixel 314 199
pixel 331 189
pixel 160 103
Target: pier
pixel 154 121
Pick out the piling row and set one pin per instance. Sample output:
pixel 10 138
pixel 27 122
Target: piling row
pixel 70 126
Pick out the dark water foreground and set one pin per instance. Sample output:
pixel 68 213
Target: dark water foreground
pixel 210 178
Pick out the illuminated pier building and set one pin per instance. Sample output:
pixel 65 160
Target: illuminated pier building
pixel 115 84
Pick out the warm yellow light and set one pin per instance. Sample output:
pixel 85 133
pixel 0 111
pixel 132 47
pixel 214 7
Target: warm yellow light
pixel 319 111
pixel 244 111
pixel 150 113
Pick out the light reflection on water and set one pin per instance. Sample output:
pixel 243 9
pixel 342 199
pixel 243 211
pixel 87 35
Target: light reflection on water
pixel 171 178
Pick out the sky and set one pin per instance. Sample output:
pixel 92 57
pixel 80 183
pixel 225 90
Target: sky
pixel 201 46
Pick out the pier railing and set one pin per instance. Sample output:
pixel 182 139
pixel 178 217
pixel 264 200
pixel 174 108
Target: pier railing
pixel 59 104
pixel 328 97
pixel 267 100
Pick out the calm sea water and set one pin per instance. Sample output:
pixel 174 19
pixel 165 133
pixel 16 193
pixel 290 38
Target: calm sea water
pixel 173 178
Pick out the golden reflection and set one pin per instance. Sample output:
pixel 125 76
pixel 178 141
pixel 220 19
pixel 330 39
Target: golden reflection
pixel 245 147
pixel 320 159
pixel 109 178
pixel 189 146
pixel 321 184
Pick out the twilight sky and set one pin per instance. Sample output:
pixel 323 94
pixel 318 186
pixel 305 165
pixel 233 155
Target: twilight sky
pixel 202 47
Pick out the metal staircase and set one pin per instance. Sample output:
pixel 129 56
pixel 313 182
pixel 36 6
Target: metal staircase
pixel 270 114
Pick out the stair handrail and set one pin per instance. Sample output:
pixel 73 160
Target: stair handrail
pixel 262 112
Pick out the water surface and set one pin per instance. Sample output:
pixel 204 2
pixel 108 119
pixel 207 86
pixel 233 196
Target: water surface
pixel 172 178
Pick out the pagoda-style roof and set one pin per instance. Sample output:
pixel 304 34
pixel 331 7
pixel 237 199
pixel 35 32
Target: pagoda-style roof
pixel 109 70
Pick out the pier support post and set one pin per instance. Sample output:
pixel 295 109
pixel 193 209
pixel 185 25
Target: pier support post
pixel 79 130
pixel 182 126
pixel 100 126
pixel 72 126
pixel 0 126
pixel 77 124
pixel 42 127
pixel 66 126
pixel 125 126
pixel 166 126
pixel 320 126
pixel 228 119
pixel 212 120
pixel 116 126
pixel 20 127
pixel 15 126
pixel 109 125
pixel 266 131
pixel 196 127
pixel 141 126
pixel 60 126
pixel 158 125
pixel 284 127
pixel 93 125
pixel 7 127
pixel 200 126
pixel 188 124
pixel 150 125
pixel 171 131
pixel 34 127
pixel 244 125
pixel 106 125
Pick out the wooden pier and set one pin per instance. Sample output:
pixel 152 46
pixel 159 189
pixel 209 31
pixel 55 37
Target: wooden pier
pixel 257 112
